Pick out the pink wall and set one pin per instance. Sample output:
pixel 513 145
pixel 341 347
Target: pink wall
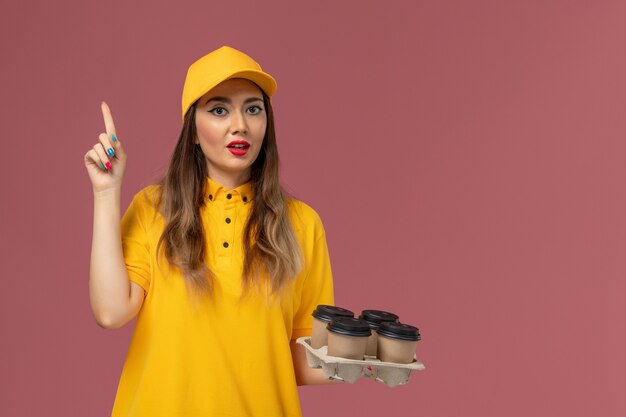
pixel 467 159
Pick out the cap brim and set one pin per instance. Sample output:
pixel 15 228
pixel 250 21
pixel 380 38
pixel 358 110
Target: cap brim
pixel 260 78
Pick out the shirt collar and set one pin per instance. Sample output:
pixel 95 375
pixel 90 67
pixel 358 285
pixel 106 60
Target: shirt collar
pixel 216 191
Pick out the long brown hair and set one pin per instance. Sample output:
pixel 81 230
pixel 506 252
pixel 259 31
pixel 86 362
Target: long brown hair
pixel 270 246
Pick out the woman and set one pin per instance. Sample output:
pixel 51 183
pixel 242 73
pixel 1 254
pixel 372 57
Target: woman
pixel 221 269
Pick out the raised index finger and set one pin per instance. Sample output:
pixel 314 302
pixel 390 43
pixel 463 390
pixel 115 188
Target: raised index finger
pixel 108 119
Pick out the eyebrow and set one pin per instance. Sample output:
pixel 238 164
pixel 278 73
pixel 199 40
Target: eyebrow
pixel 227 100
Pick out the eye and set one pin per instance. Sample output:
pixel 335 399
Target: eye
pixel 254 109
pixel 218 111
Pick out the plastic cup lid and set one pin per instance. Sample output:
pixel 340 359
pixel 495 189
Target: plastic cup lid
pixel 376 317
pixel 349 326
pixel 399 331
pixel 326 313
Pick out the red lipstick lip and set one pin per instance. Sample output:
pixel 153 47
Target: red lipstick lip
pixel 238 142
pixel 238 151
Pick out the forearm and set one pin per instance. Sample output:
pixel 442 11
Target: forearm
pixel 304 374
pixel 109 286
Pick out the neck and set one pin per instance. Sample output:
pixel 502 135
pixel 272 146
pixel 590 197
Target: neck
pixel 230 181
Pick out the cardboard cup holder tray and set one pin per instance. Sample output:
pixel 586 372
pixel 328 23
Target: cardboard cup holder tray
pixel 349 370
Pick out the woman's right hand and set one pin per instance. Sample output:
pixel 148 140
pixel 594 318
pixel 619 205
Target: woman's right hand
pixel 106 161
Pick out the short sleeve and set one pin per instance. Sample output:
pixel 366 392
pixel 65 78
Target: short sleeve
pixel 317 287
pixel 135 244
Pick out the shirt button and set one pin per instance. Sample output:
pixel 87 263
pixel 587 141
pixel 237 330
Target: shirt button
pixel 227 219
pixel 245 199
pixel 229 196
pixel 225 244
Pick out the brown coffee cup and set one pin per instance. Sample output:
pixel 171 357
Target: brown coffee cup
pixel 374 318
pixel 397 342
pixel 347 337
pixel 322 315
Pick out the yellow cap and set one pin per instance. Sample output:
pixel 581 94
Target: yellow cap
pixel 218 66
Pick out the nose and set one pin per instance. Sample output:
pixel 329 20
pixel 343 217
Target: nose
pixel 238 123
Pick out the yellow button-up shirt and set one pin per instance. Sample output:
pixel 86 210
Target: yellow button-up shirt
pixel 225 356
